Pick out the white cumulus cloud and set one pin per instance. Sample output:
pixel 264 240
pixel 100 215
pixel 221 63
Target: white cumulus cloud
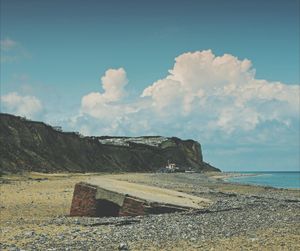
pixel 202 83
pixel 100 105
pixel 203 96
pixel 27 106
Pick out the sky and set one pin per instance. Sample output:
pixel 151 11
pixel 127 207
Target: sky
pixel 224 73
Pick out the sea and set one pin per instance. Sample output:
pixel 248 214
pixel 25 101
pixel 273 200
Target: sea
pixel 273 179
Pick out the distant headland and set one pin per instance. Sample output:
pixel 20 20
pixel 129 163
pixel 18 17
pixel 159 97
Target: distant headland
pixel 27 145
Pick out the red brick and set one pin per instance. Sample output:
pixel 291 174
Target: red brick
pixel 83 202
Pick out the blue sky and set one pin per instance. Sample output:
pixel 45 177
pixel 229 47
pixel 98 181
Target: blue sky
pixel 54 54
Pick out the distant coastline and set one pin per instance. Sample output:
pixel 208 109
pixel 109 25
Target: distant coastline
pixel 227 175
pixel 275 179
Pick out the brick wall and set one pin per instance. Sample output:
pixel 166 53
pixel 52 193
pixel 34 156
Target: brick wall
pixel 132 207
pixel 84 202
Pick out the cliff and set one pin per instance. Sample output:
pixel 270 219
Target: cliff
pixel 34 146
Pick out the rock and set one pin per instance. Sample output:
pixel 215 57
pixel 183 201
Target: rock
pixel 123 246
pixel 13 248
pixel 29 234
pixel 61 237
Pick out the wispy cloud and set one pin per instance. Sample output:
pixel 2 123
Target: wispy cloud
pixel 28 106
pixel 7 44
pixel 12 51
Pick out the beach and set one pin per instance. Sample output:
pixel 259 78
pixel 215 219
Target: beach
pixel 35 208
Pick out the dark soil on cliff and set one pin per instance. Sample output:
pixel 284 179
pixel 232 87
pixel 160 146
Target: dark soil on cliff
pixel 35 146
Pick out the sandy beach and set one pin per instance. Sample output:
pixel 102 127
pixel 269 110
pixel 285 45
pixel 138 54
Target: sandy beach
pixel 35 208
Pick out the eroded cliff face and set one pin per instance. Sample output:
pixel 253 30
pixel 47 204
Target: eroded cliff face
pixel 34 146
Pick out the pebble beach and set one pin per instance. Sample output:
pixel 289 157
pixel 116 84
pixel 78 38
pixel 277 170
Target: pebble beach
pixel 35 207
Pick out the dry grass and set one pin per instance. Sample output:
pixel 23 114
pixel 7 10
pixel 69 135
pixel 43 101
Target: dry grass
pixel 30 200
pixel 37 195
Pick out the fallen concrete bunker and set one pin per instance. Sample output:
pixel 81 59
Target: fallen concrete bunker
pixel 102 197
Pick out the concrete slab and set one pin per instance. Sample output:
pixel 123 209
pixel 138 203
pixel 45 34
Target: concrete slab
pixel 149 193
pixel 108 197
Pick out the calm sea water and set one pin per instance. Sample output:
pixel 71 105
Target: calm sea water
pixel 274 179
